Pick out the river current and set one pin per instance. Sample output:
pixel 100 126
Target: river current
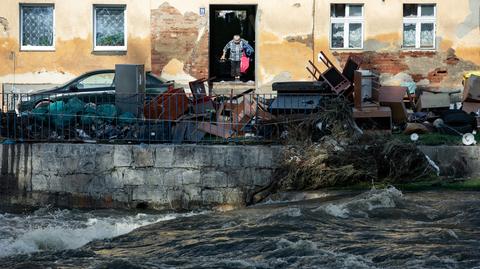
pixel 380 228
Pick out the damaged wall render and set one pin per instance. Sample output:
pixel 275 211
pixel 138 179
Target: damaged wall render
pixel 457 42
pixel 73 53
pixel 180 39
pixel 290 34
pixel 173 38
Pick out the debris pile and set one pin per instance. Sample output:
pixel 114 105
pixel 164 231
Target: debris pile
pixel 351 100
pixel 345 157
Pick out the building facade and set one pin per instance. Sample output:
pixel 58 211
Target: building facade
pixel 54 41
pixel 431 42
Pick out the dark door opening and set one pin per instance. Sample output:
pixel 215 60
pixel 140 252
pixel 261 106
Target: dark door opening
pixel 225 22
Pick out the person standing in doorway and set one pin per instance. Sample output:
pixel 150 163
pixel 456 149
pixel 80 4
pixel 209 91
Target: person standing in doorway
pixel 237 47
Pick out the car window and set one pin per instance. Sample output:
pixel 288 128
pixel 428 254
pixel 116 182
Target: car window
pixel 96 81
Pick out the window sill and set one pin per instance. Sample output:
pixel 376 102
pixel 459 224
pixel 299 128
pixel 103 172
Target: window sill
pixel 110 49
pixel 420 49
pixel 109 52
pixel 345 49
pixel 37 49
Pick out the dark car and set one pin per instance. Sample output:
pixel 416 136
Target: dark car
pixel 96 87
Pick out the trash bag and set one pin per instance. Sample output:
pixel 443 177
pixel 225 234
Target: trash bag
pixel 64 114
pixel 88 119
pixel 244 64
pixel 89 114
pixel 457 117
pixel 107 131
pixel 74 106
pixel 107 112
pixel 90 108
pixel 56 111
pixel 457 122
pixel 56 107
pixel 40 113
pixel 158 132
pixel 126 118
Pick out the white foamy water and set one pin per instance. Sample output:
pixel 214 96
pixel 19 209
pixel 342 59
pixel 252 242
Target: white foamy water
pixel 64 229
pixel 362 204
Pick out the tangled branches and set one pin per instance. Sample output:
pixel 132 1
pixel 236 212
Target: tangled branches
pixel 340 155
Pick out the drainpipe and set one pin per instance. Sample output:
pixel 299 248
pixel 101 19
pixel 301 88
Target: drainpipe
pixel 313 29
pixel 13 57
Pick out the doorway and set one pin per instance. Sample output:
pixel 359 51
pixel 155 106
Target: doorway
pixel 225 22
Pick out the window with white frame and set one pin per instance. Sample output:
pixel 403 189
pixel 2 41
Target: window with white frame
pixel 110 28
pixel 419 24
pixel 37 27
pixel 346 26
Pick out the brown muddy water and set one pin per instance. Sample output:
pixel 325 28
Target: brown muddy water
pixel 376 229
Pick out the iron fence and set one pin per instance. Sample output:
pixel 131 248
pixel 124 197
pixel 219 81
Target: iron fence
pixel 171 117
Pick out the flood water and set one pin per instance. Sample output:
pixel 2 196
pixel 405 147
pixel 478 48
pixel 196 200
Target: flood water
pixel 376 229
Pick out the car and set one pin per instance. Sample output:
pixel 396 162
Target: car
pixel 93 87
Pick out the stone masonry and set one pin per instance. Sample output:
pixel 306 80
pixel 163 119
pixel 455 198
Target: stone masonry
pixel 179 177
pixel 129 176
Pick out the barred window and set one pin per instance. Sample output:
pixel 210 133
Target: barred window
pixel 419 25
pixel 347 26
pixel 109 28
pixel 37 27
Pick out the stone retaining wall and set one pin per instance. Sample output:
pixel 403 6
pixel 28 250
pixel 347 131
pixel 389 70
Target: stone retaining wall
pixel 159 176
pixel 128 176
pixel 455 161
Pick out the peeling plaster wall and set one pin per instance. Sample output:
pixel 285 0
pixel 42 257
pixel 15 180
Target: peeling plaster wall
pixel 457 37
pixel 173 39
pixel 73 53
pixel 289 33
pixel 180 38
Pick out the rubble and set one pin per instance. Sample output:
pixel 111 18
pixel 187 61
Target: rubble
pixel 336 102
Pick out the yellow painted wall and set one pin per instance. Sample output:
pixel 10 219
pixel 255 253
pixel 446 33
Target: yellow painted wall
pixel 457 25
pixel 73 53
pixel 278 59
pixel 286 30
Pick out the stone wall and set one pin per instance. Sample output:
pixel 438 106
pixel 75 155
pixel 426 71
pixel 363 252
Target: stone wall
pixel 455 161
pixel 159 176
pixel 129 176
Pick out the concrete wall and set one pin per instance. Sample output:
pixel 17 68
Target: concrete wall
pixel 291 32
pixel 455 161
pixel 73 54
pixel 127 176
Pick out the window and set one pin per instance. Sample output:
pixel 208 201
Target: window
pixel 37 27
pixel 97 81
pixel 347 26
pixel 110 28
pixel 419 25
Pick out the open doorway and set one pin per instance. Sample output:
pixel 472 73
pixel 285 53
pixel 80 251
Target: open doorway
pixel 225 22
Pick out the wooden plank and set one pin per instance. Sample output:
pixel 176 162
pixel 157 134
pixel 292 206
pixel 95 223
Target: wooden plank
pixel 221 130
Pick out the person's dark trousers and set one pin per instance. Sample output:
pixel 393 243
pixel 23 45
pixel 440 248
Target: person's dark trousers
pixel 235 69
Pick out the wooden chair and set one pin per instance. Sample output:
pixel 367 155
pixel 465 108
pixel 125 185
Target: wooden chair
pixel 332 76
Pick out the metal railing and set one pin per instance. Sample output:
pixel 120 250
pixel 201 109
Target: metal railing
pixel 171 117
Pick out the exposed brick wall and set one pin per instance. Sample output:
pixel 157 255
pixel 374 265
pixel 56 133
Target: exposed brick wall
pixel 174 36
pixel 198 63
pixel 440 68
pixel 387 62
